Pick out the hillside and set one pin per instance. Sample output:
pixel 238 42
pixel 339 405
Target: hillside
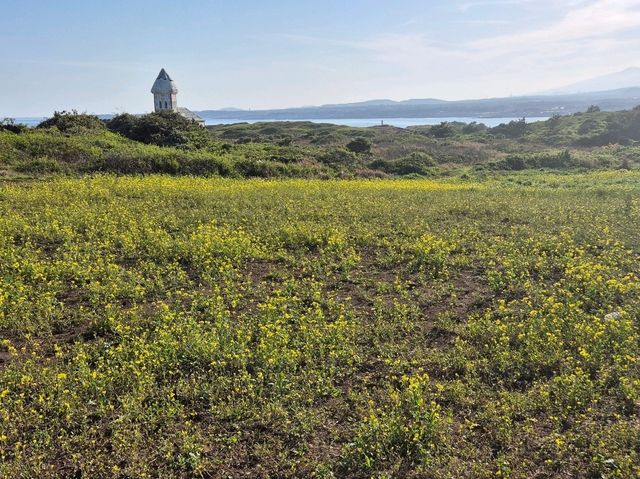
pixel 81 144
pixel 629 78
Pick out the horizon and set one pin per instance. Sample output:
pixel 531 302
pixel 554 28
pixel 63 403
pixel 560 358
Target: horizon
pixel 252 56
pixel 371 100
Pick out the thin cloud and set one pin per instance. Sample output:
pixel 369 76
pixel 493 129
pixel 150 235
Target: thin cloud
pixel 468 6
pixel 601 18
pixel 388 46
pixel 570 45
pixel 488 22
pixel 99 65
pixel 593 24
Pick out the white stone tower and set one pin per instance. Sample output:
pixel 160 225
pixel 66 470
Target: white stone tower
pixel 164 91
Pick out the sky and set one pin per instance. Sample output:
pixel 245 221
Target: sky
pixel 102 56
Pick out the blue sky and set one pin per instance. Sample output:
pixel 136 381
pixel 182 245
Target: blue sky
pixel 102 56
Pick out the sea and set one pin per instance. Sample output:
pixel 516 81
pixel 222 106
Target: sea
pixel 355 122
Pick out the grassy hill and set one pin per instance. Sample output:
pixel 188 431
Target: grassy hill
pixel 80 144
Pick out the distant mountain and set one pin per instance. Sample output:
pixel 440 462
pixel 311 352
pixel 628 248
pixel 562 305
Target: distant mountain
pixel 426 101
pixel 519 106
pixel 628 78
pixel 382 102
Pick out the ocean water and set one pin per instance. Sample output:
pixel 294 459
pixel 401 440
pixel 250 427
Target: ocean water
pixel 355 122
pixel 30 120
pixel 366 122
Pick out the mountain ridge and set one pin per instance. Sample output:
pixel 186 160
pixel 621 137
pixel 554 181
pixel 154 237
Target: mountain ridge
pixel 536 105
pixel 628 78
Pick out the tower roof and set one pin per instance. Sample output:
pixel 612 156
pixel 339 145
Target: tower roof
pixel 164 84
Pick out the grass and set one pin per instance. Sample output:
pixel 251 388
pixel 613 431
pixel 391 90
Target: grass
pixel 79 144
pixel 189 327
pixel 50 152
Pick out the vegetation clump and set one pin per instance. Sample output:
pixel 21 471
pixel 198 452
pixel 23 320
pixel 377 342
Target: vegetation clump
pixel 163 128
pixel 9 124
pixel 72 122
pixel 359 145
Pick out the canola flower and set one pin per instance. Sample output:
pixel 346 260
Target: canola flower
pixel 178 326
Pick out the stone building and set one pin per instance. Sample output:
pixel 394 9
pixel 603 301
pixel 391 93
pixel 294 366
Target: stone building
pixel 165 94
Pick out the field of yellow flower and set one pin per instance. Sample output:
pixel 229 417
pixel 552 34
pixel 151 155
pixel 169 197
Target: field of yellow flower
pixel 183 327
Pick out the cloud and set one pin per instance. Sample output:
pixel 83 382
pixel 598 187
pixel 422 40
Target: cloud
pixel 596 24
pixel 468 6
pixel 591 38
pixel 389 47
pixel 411 47
pixel 482 22
pixel 595 19
pixel 98 65
pixel 580 38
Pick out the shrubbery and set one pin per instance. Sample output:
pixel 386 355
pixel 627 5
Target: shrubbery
pixel 513 129
pixel 72 122
pixel 9 124
pixel 338 157
pixel 555 160
pixel 418 163
pixel 473 127
pixel 443 130
pixel 166 142
pixel 359 145
pixel 40 166
pixel 49 150
pixel 164 128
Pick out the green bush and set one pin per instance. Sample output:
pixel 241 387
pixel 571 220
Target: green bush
pixel 589 126
pixel 515 162
pixel 163 128
pixel 338 157
pixel 262 169
pixel 417 163
pixel 39 166
pixel 443 130
pixel 359 145
pixel 547 159
pixel 559 160
pixel 206 165
pixel 513 129
pixel 9 124
pixel 473 127
pixel 72 121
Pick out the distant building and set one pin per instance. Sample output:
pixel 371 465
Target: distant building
pixel 165 94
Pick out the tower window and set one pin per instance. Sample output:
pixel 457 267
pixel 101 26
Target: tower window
pixel 165 105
